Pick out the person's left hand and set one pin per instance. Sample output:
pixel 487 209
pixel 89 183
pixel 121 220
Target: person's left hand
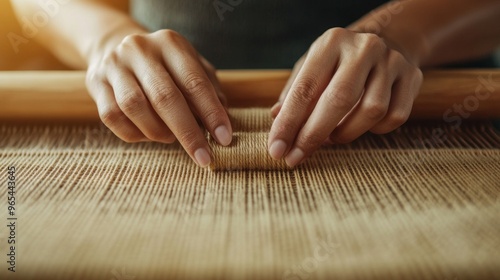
pixel 348 83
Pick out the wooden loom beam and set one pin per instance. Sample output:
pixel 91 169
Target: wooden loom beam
pixel 61 96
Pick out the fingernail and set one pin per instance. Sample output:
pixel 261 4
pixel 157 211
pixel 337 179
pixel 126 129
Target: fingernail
pixel 294 157
pixel 223 136
pixel 277 149
pixel 202 157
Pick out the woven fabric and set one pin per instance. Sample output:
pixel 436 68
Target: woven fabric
pixel 248 149
pixel 403 205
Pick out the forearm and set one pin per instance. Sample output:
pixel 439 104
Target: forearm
pixel 430 32
pixel 80 30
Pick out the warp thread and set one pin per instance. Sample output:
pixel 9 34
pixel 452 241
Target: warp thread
pixel 398 206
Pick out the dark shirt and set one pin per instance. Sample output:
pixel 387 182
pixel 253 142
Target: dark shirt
pixel 246 34
pixel 250 33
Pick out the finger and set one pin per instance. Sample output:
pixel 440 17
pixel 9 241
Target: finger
pixel 277 107
pixel 210 71
pixel 370 110
pixel 310 82
pixel 405 91
pixel 134 104
pixel 173 109
pixel 181 61
pixel 112 116
pixel 341 95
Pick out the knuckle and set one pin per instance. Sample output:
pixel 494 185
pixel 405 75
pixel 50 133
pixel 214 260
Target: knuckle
pixel 375 110
pixel 195 84
pixel 342 97
pixel 133 41
pixel 372 40
pixel 110 115
pixel 396 58
pixel 170 35
pixel 284 128
pixel 372 44
pixel 132 101
pixel 159 136
pixel 131 137
pixel 158 85
pixel 333 33
pixel 397 118
pixel 310 140
pixel 165 98
pixel 305 90
pixel 189 139
pixel 110 60
pixel 95 82
pixel 212 116
pixel 344 87
pixel 339 101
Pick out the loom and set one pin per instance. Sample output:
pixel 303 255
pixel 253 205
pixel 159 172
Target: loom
pixel 421 202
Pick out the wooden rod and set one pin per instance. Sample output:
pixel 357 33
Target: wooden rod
pixel 61 95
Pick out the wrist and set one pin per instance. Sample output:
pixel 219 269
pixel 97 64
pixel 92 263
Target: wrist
pixel 415 48
pixel 390 22
pixel 412 46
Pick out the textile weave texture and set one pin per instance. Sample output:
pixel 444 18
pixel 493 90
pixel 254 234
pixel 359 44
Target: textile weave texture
pixel 407 205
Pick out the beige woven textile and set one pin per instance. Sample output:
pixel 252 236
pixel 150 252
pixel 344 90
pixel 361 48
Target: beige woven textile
pixel 401 206
pixel 248 149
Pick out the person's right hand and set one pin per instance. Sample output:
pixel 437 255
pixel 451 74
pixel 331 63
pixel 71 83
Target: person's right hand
pixel 154 87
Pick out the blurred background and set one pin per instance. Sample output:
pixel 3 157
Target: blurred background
pixel 32 56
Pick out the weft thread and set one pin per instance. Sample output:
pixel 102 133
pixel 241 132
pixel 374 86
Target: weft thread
pixel 248 150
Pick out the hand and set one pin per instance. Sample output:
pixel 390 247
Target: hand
pixel 153 87
pixel 346 84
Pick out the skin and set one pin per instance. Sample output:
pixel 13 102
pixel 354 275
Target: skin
pixel 156 87
pixel 143 91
